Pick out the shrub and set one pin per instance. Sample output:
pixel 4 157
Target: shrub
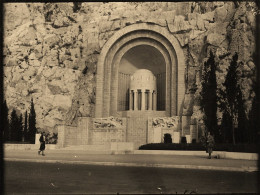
pixel 169 146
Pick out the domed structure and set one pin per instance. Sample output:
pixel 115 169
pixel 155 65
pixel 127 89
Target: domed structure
pixel 143 79
pixel 142 94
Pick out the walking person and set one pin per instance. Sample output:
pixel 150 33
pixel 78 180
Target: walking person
pixel 209 144
pixel 42 146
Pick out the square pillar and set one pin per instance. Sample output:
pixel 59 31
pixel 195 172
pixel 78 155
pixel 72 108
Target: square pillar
pixel 143 100
pixel 150 100
pixel 154 100
pixel 130 100
pixel 135 100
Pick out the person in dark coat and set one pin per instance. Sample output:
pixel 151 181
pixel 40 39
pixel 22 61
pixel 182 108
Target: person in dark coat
pixel 210 144
pixel 42 146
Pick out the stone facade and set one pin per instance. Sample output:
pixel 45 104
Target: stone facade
pixel 66 57
pixel 158 127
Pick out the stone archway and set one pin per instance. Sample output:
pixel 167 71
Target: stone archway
pixel 112 52
pixel 141 55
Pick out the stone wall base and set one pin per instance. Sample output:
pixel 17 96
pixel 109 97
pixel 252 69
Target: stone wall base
pixel 124 134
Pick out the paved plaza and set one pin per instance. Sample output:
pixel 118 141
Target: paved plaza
pixel 137 160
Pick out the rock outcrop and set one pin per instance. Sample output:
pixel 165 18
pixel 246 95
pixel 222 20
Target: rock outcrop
pixel 51 50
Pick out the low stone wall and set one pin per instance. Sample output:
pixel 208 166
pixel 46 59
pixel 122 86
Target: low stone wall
pixel 92 131
pixel 28 146
pixel 139 130
pixel 103 136
pixel 118 147
pixel 106 130
pixel 238 155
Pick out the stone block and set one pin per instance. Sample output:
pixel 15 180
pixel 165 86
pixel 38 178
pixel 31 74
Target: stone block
pixel 176 137
pixel 186 125
pixel 122 146
pixel 188 138
pixel 194 132
pixel 157 135
pixel 37 137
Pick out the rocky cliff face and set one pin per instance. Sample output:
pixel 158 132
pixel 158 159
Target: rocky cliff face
pixel 51 49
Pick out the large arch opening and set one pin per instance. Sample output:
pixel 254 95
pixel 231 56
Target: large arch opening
pixel 136 58
pixel 127 46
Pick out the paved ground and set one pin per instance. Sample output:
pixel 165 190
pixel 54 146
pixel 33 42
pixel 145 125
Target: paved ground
pixel 134 160
pixel 57 178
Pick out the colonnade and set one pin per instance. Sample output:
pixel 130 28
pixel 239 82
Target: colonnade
pixel 142 100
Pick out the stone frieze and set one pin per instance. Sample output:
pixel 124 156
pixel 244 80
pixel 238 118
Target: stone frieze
pixel 165 122
pixel 110 122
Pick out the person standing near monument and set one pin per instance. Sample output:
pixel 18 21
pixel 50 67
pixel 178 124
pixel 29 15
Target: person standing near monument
pixel 209 144
pixel 42 146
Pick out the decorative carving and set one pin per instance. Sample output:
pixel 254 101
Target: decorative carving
pixel 166 122
pixel 110 122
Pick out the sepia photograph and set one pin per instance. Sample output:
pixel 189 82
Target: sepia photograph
pixel 130 97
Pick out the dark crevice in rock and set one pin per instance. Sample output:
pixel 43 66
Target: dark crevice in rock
pixel 96 52
pixel 224 55
pixel 76 6
pixel 72 19
pixel 80 29
pixel 48 16
pixel 66 45
pixel 81 51
pixel 182 31
pixel 85 70
pixel 32 91
pixel 236 4
pixel 58 26
pixel 33 26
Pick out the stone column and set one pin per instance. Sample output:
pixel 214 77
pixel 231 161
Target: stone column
pixel 143 100
pixel 136 100
pixel 150 100
pixel 154 100
pixel 130 100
